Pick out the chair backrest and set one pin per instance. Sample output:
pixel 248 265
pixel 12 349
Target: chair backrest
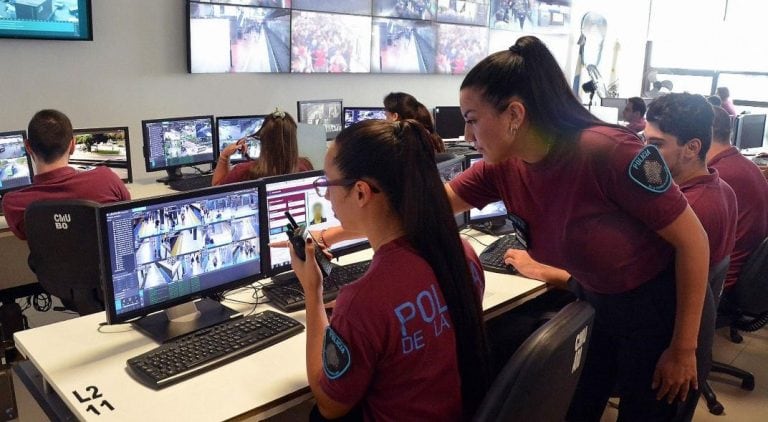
pixel 751 290
pixel 64 252
pixel 539 380
pixel 717 276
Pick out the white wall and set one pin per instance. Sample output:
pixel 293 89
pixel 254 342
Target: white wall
pixel 136 69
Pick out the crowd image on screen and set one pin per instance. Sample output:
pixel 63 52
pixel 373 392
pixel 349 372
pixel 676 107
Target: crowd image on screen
pixel 329 43
pixel 525 15
pixel 459 48
pixel 403 46
pixel 264 3
pixel 474 12
pixel 14 167
pixel 258 38
pixel 356 7
pixel 326 114
pixel 410 9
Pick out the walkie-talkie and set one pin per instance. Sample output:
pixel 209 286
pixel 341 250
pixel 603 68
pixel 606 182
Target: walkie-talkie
pixel 297 235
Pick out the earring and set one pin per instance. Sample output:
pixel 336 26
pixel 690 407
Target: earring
pixel 513 132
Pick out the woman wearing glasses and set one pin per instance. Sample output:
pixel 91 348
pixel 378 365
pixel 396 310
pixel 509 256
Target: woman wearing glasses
pixel 279 153
pixel 406 341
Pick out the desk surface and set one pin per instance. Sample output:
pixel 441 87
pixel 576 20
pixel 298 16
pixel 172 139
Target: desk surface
pixel 74 357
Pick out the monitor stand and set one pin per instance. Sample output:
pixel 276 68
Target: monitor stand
pixel 175 174
pixel 496 227
pixel 184 319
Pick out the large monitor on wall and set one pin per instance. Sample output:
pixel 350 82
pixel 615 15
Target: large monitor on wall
pixel 326 113
pixel 46 19
pixel 449 122
pixel 231 129
pixel 169 250
pixel 108 146
pixel 403 46
pixel 296 194
pixel 170 144
pixel 358 114
pixel 15 165
pixel 330 43
pixel 749 131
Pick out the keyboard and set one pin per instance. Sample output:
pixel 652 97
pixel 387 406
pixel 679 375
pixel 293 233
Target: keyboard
pixel 211 347
pixel 492 257
pixel 191 183
pixel 288 295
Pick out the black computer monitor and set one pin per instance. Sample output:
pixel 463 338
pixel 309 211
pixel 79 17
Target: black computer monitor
pixel 749 131
pixel 230 129
pixel 449 170
pixel 173 143
pixel 296 194
pixel 358 114
pixel 107 146
pixel 449 122
pixel 326 113
pixel 492 218
pixel 161 253
pixel 15 165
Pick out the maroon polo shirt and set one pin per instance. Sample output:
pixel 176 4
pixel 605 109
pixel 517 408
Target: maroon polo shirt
pixel 242 172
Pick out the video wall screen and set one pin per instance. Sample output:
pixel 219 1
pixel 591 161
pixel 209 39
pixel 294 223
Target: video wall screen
pixel 361 36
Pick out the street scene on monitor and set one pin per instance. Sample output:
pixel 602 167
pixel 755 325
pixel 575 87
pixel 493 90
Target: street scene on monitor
pixel 180 142
pixel 473 12
pixel 234 129
pixel 14 167
pixel 326 114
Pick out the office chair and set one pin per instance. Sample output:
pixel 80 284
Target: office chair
pixel 539 380
pixel 744 308
pixel 64 252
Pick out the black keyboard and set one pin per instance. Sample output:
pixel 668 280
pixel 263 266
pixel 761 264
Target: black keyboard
pixel 211 347
pixel 492 256
pixel 191 183
pixel 288 295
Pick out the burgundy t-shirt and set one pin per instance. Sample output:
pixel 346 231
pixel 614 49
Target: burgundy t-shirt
pixel 751 191
pixel 241 172
pixel 714 203
pixel 100 185
pixel 586 212
pixel 400 338
pixel 637 125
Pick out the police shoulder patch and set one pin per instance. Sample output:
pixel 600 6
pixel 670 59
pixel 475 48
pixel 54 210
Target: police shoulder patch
pixel 649 170
pixel 336 357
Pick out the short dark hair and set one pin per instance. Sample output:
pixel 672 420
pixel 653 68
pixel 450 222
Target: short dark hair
pixel 715 100
pixel 637 104
pixel 50 133
pixel 686 116
pixel 723 92
pixel 721 126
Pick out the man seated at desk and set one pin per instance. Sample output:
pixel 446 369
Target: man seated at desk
pixel 634 114
pixel 50 143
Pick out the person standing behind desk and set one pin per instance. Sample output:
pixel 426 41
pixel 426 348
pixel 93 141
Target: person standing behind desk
pixel 725 100
pixel 601 206
pixel 279 153
pixel 634 114
pixel 751 190
pixel 50 143
pixel 406 341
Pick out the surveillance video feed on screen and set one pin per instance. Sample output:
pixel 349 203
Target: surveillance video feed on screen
pixel 402 46
pixel 409 9
pixel 59 19
pixel 161 252
pixel 232 129
pixel 175 143
pixel 354 115
pixel 495 209
pixel 330 43
pixel 298 196
pixel 265 3
pixel 236 39
pixel 355 7
pixel 459 48
pixel 322 113
pixel 472 12
pixel 101 147
pixel 14 163
pixel 552 16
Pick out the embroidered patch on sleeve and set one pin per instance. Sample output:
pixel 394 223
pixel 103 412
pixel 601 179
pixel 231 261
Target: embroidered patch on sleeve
pixel 649 170
pixel 336 358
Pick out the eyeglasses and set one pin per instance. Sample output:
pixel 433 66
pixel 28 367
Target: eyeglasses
pixel 322 183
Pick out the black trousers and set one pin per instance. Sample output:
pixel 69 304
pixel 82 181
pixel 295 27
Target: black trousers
pixel 631 331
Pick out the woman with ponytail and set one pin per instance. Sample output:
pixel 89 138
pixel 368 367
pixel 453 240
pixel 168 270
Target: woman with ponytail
pixel 402 106
pixel 406 341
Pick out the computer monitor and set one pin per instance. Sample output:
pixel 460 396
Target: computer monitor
pixel 230 129
pixel 749 131
pixel 358 114
pixel 107 146
pixel 326 113
pixel 15 165
pixel 449 170
pixel 492 218
pixel 161 253
pixel 296 194
pixel 449 122
pixel 170 144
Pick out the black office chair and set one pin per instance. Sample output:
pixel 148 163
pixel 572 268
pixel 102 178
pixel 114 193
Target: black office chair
pixel 64 252
pixel 538 382
pixel 744 308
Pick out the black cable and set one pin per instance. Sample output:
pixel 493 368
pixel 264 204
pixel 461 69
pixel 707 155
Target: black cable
pixel 753 324
pixel 465 232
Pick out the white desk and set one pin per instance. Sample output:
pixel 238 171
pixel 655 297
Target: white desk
pixel 72 356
